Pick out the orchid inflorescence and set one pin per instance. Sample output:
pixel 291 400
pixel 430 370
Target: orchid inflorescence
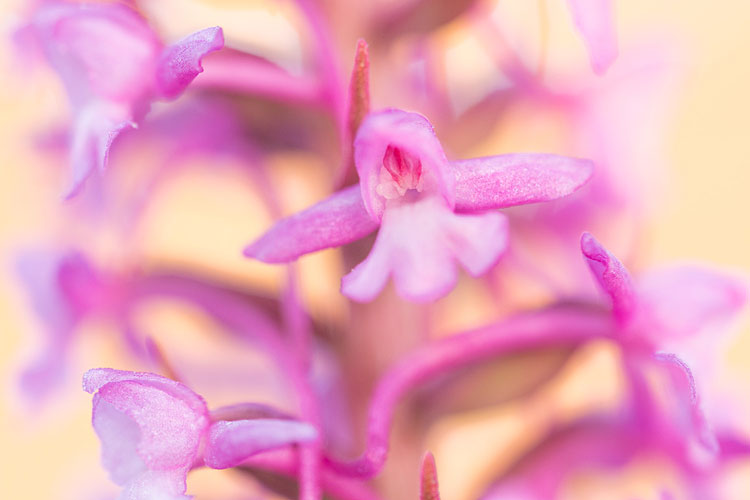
pixel 410 214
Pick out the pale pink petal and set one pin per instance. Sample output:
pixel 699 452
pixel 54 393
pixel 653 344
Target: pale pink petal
pixel 594 20
pixel 96 126
pixel 150 427
pixel 180 63
pixel 684 415
pixel 252 75
pixel 682 301
pixel 335 221
pixel 516 179
pixel 107 51
pixel 231 442
pixel 156 485
pixel 612 277
pixel 43 275
pixel 409 133
pixel 418 244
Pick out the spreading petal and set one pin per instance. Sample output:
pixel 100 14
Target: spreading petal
pixel 516 179
pixel 594 20
pixel 612 277
pixel 384 135
pixel 150 428
pixel 231 442
pixel 180 63
pixel 338 220
pixel 418 244
pixel 97 125
pixel 682 301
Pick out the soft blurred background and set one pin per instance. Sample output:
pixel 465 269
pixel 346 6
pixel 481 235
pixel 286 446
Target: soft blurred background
pixel 698 213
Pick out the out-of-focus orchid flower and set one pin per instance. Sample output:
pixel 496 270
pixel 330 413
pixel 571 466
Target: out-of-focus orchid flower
pixel 113 65
pixel 66 288
pixel 603 444
pixel 431 212
pixel 152 430
pixel 652 313
pixel 63 289
pixel 594 20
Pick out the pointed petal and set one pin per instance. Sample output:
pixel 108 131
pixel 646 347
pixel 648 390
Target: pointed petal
pixel 333 222
pixel 516 179
pixel 97 125
pixel 686 412
pixel 682 301
pixel 180 63
pixel 418 245
pixel 594 20
pixel 612 277
pixel 429 481
pixel 231 442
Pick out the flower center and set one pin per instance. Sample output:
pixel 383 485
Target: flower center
pixel 401 172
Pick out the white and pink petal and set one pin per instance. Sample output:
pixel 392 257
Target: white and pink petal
pixel 418 245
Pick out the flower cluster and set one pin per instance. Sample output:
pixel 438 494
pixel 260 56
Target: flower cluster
pixel 417 205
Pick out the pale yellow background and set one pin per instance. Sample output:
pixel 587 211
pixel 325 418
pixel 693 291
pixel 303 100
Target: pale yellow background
pixel 703 216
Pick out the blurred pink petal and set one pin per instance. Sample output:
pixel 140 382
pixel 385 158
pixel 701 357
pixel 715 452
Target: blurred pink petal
pixel 683 301
pixel 516 179
pixel 62 288
pixel 180 63
pixel 252 75
pixel 419 244
pixel 612 277
pixel 594 20
pixel 231 442
pixel 150 428
pixel 96 126
pixel 333 222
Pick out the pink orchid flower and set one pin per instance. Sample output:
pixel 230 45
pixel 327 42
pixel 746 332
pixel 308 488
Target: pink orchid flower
pixel 63 289
pixel 113 65
pixel 431 212
pixel 656 318
pixel 153 429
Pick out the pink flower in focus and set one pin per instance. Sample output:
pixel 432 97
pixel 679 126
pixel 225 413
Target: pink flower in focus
pixel 113 65
pixel 431 212
pixel 152 429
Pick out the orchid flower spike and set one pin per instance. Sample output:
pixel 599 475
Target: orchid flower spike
pixel 113 65
pixel 153 428
pixel 431 212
